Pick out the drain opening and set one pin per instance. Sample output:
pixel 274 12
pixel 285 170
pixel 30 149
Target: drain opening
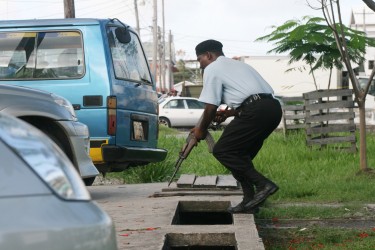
pixel 206 241
pixel 202 213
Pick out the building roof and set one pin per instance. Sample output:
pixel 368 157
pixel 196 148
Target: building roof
pixel 362 14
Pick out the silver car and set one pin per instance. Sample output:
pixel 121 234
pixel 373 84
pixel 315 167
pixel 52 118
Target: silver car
pixel 43 201
pixel 55 116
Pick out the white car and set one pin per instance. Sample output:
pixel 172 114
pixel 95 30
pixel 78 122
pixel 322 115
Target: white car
pixel 182 112
pixel 44 203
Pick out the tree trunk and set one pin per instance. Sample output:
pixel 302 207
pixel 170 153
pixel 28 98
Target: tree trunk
pixel 312 73
pixel 362 136
pixel 330 77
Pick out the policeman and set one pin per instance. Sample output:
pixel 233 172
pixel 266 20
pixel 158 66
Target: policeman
pixel 257 114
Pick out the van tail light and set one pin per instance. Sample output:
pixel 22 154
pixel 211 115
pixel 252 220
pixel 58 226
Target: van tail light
pixel 111 115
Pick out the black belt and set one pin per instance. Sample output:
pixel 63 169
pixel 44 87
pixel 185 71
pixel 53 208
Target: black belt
pixel 251 99
pixel 254 98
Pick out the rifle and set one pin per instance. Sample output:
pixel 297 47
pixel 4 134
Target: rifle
pixel 191 142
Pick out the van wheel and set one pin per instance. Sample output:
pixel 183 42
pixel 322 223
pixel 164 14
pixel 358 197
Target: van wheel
pixel 164 121
pixel 56 141
pixel 89 181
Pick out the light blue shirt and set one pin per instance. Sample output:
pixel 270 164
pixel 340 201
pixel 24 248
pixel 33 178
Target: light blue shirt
pixel 229 81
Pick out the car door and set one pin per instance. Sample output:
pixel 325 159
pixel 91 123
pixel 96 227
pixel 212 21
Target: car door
pixel 175 111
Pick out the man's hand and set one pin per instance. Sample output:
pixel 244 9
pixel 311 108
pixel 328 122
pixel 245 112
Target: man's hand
pixel 198 133
pixel 222 115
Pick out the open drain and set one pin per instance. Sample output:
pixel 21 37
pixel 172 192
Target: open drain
pixel 202 213
pixel 206 241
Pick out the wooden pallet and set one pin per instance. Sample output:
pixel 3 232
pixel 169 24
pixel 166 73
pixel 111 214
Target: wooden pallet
pixel 189 184
pixel 209 181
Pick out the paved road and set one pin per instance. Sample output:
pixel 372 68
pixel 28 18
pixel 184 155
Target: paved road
pixel 143 222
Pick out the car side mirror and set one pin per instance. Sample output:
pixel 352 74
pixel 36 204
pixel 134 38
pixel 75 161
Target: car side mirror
pixel 123 35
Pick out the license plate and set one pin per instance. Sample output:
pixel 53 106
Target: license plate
pixel 138 133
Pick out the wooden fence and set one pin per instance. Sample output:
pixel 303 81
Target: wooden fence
pixel 293 113
pixel 329 118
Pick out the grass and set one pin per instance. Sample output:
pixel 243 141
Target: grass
pixel 314 185
pixel 303 175
pixel 200 161
pixel 321 238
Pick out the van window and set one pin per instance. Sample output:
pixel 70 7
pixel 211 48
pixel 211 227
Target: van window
pixel 41 55
pixel 128 60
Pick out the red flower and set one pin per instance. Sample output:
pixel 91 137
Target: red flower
pixel 363 235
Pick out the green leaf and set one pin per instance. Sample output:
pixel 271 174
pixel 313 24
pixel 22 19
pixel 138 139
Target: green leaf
pixel 311 40
pixel 298 33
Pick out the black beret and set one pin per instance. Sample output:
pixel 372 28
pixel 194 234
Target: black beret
pixel 208 46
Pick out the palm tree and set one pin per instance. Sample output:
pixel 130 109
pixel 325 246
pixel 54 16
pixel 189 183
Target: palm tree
pixel 311 40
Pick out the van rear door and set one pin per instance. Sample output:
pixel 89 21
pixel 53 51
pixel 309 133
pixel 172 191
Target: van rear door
pixel 137 122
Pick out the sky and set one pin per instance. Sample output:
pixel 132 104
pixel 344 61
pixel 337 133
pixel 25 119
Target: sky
pixel 236 23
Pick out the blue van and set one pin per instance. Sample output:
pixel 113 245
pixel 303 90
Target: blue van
pixel 99 65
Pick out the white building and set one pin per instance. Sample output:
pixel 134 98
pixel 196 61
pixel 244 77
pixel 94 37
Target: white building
pixel 293 79
pixel 287 82
pixel 363 19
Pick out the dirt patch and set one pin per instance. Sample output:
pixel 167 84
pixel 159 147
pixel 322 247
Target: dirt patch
pixel 354 227
pixel 325 223
pixel 102 181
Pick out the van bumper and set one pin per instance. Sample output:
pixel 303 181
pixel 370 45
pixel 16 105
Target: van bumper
pixel 118 154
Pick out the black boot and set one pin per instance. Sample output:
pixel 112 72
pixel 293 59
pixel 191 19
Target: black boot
pixel 241 209
pixel 248 191
pixel 261 195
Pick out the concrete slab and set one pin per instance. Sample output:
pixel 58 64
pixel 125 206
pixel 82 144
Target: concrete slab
pixel 186 180
pixel 226 181
pixel 143 221
pixel 208 181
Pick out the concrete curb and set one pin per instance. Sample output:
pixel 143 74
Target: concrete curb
pixel 143 222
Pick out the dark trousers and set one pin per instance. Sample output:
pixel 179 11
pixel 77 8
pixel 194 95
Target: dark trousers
pixel 243 138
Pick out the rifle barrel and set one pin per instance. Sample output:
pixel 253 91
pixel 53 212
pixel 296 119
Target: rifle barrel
pixel 177 167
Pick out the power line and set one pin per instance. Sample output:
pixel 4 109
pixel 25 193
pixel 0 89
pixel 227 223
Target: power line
pixel 26 1
pixel 27 8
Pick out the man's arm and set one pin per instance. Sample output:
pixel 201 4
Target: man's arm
pixel 209 113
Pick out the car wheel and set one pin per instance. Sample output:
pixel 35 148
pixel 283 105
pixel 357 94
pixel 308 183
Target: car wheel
pixel 164 121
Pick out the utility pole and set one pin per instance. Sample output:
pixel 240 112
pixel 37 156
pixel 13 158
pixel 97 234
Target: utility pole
pixel 137 17
pixel 69 11
pixel 163 50
pixel 161 55
pixel 155 40
pixel 170 73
